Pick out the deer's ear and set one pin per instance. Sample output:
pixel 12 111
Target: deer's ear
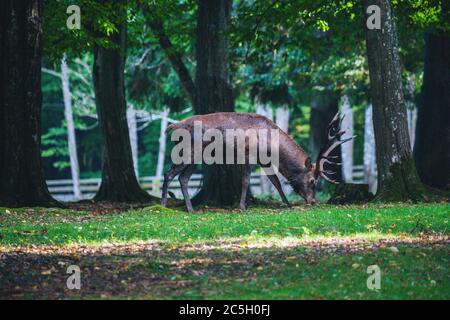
pixel 308 164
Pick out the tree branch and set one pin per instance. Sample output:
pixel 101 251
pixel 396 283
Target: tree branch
pixel 176 60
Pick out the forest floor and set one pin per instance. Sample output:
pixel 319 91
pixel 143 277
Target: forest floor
pixel 320 252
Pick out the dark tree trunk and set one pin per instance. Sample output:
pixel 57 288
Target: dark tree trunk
pixel 21 177
pixel 324 106
pixel 432 147
pixel 119 183
pixel 221 184
pixel 397 176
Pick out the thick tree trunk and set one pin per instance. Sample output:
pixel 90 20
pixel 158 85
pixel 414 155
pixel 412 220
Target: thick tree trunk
pixel 347 148
pixel 21 177
pixel 221 184
pixel 432 147
pixel 71 137
pixel 324 106
pixel 119 183
pixel 397 175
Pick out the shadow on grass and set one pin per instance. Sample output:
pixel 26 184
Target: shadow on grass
pixel 322 269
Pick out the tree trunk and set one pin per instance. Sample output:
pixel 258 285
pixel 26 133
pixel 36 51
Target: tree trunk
pixel 324 106
pixel 119 183
pixel 21 177
pixel 347 148
pixel 71 137
pixel 221 183
pixel 131 121
pixel 397 175
pixel 432 147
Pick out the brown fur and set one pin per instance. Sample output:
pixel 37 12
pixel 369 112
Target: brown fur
pixel 292 157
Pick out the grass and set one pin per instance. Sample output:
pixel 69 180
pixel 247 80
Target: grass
pixel 307 253
pixel 58 227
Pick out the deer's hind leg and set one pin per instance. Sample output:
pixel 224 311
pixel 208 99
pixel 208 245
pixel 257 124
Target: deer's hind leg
pixel 184 181
pixel 245 184
pixel 168 177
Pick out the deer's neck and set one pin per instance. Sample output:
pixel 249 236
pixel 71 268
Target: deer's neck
pixel 292 158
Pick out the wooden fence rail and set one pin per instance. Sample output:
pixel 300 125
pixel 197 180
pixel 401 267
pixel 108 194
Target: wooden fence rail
pixel 63 189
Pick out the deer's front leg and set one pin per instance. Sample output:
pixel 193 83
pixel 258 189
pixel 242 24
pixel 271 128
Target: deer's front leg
pixel 277 184
pixel 168 177
pixel 245 183
pixel 184 182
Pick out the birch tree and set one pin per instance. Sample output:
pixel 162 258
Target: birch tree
pixel 162 149
pixel 347 148
pixel 71 136
pixel 134 138
pixel 266 111
pixel 369 150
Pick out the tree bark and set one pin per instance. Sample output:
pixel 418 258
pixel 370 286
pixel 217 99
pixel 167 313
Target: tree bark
pixel 324 106
pixel 221 183
pixel 397 175
pixel 119 183
pixel 432 147
pixel 21 176
pixel 71 137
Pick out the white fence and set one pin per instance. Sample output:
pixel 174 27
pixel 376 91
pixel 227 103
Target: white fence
pixel 63 189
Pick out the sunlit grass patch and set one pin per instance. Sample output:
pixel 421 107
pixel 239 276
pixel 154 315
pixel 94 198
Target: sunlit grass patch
pixel 59 227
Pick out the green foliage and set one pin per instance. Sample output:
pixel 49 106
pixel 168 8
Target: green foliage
pixel 98 21
pixel 56 147
pixel 280 53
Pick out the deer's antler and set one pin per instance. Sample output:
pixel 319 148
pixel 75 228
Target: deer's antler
pixel 334 134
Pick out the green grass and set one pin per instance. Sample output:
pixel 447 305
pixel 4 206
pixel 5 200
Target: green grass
pixel 319 252
pixel 43 226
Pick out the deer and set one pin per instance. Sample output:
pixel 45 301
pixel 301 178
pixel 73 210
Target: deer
pixel 295 164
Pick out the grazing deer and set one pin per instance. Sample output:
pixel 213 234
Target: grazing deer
pixel 293 163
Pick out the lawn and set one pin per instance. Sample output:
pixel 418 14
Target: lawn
pixel 319 252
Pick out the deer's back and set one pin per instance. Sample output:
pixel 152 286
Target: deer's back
pixel 228 120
